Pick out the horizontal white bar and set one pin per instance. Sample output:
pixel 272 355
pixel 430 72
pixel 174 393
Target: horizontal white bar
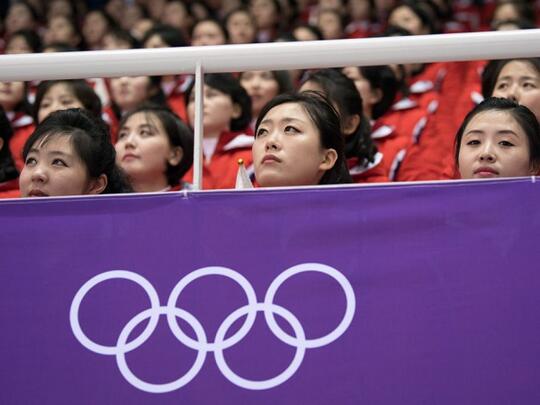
pixel 272 56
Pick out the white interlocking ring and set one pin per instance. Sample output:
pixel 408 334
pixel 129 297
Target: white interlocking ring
pixel 110 275
pixel 321 268
pixel 220 343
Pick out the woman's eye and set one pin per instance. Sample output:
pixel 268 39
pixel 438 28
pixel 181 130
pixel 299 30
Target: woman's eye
pixel 261 132
pixel 473 142
pixel 529 85
pixel 502 86
pixel 506 143
pixel 59 162
pixel 67 102
pixel 122 135
pixel 291 129
pixel 29 161
pixel 146 132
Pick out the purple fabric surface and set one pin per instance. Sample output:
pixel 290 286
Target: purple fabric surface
pixel 446 282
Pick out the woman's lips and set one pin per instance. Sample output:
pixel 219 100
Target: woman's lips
pixel 37 193
pixel 486 172
pixel 270 159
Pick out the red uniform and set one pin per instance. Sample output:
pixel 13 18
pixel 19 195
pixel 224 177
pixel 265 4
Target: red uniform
pixel 23 127
pixel 373 172
pixel 221 171
pixel 10 189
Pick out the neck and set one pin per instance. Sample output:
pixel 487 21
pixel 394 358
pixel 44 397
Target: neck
pixel 149 185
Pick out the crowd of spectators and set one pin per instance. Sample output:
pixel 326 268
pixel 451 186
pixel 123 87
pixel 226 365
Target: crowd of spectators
pixel 398 122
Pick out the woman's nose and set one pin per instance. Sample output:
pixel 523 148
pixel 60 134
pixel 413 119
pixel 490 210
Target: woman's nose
pixel 39 175
pixel 487 156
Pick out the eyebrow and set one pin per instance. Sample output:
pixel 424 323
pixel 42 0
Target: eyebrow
pixel 285 120
pixel 501 132
pixel 519 78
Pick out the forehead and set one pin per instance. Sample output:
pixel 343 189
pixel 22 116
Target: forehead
pixel 59 88
pixel 284 111
pixel 519 68
pixel 207 26
pixel 495 119
pixel 55 141
pixel 143 118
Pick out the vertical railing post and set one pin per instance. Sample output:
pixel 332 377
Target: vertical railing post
pixel 198 128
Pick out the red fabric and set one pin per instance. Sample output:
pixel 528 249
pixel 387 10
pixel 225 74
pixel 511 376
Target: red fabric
pixel 377 173
pixel 221 171
pixel 110 118
pixel 20 135
pixel 406 125
pixel 432 158
pixel 10 189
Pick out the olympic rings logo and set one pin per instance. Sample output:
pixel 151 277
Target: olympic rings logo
pixel 220 343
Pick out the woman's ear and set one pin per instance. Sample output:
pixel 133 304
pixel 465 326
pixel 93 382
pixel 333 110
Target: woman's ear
pixel 375 96
pixel 351 124
pixel 175 156
pixel 98 185
pixel 329 159
pixel 534 170
pixel 237 111
pixel 1 143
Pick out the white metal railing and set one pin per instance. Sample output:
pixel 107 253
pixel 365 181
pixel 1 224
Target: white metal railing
pixel 273 56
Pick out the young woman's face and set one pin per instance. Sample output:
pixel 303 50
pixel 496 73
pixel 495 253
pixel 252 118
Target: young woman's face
pixel 287 150
pixel 520 81
pixel 241 28
pixel 18 17
pixel 143 150
pixel 94 28
pixel 17 44
pixel 330 25
pixel 218 111
pixel 155 41
pixel 505 12
pixel 176 15
pixel 404 17
pixel 264 12
pixel 207 33
pixel 11 94
pixel 60 29
pixel 58 97
pixel 53 168
pixel 261 87
pixel 494 145
pixel 129 92
pixel 364 88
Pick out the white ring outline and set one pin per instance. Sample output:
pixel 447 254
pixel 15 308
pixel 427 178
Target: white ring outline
pixel 271 382
pixel 302 268
pixel 164 387
pixel 212 271
pixel 86 287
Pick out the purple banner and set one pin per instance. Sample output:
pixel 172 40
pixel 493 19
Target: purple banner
pixel 415 294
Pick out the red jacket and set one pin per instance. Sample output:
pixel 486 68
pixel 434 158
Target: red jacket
pixel 10 189
pixel 374 172
pixel 23 127
pixel 221 171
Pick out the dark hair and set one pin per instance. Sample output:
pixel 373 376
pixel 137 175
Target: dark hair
pixel 228 84
pixel 80 89
pixel 524 10
pixel 123 35
pixel 423 10
pixel 314 30
pixel 31 38
pixel 7 167
pixel 384 79
pixel 215 22
pixel 156 97
pixel 90 140
pixel 524 117
pixel 170 35
pixel 282 78
pixel 325 117
pixel 177 131
pixel 342 93
pixel 493 70
pixel 59 47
